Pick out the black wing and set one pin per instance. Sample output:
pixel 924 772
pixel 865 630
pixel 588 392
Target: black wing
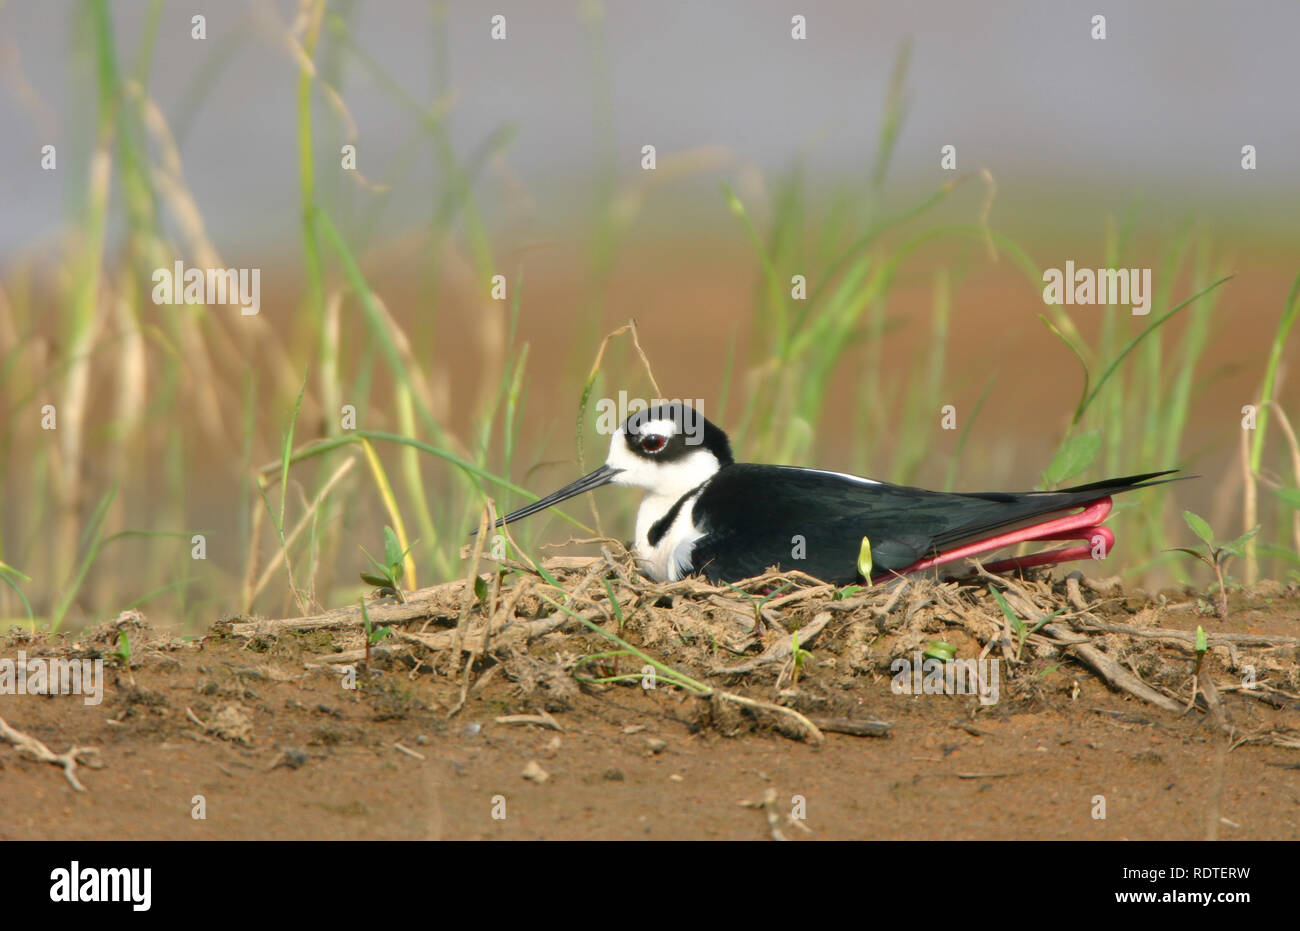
pixel 759 516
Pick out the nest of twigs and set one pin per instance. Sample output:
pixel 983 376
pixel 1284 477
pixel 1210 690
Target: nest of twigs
pixel 783 650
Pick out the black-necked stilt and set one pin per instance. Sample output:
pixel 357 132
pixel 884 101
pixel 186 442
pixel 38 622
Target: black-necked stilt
pixel 705 513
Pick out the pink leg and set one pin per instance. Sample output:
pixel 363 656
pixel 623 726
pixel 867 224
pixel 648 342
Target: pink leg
pixel 1086 525
pixel 1064 554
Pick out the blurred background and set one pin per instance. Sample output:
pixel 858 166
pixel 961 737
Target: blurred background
pixel 139 437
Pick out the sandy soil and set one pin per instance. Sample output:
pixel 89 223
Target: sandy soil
pixel 260 726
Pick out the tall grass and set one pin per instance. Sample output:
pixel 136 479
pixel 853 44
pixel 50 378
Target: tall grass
pixel 101 518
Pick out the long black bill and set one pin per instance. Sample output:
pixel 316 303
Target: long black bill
pixel 601 476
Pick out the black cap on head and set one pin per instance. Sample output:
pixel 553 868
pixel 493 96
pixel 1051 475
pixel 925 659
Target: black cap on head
pixel 691 431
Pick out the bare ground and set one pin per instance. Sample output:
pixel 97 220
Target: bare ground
pixel 256 722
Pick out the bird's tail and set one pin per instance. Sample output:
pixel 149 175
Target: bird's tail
pixel 1111 486
pixel 1042 516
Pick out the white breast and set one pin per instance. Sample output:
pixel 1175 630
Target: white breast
pixel 669 559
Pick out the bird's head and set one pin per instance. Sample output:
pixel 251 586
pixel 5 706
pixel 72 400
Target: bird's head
pixel 666 450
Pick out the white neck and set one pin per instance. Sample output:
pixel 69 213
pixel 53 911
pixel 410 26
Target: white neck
pixel 665 483
pixel 666 560
pixel 652 510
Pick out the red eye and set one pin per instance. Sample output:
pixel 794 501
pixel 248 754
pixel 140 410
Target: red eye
pixel 652 443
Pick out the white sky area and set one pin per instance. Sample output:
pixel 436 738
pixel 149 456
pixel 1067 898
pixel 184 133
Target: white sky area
pixel 1163 104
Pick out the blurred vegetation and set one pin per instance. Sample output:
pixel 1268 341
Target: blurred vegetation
pixel 128 384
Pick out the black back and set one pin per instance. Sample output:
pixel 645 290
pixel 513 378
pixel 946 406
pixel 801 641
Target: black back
pixel 752 513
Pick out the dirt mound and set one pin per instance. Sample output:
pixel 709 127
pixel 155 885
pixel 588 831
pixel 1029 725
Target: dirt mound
pixel 562 693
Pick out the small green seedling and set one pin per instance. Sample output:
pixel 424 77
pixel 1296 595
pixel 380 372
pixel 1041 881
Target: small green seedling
pixel 388 573
pixel 757 603
pixel 864 561
pixel 373 635
pixel 1218 555
pixel 941 650
pixel 848 591
pixel 123 652
pixel 800 655
pixel 1202 645
pixel 483 587
pixel 1023 632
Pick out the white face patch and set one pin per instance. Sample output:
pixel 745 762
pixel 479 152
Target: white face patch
pixel 661 427
pixel 662 478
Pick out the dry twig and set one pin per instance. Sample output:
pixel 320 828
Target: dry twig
pixel 29 748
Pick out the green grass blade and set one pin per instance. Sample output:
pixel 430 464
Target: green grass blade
pixel 1156 324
